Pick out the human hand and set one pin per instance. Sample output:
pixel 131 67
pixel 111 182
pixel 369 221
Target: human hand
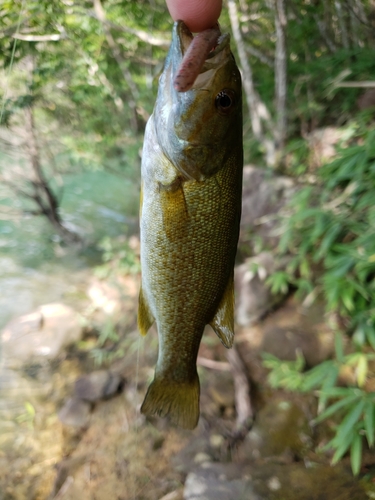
pixel 198 15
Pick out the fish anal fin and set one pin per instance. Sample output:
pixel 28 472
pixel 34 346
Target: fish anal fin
pixel 145 318
pixel 177 400
pixel 223 321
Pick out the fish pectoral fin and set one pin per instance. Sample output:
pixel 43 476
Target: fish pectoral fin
pixel 223 321
pixel 177 400
pixel 174 209
pixel 145 318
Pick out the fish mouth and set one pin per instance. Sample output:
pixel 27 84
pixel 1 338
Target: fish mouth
pixel 182 33
pixel 182 38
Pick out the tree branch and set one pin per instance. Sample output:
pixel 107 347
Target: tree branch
pixel 142 35
pixel 121 63
pixel 323 31
pixel 343 29
pixel 366 84
pixel 55 37
pixel 213 365
pixel 259 55
pixel 280 73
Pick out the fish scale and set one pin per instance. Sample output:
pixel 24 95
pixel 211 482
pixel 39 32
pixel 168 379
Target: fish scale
pixel 189 224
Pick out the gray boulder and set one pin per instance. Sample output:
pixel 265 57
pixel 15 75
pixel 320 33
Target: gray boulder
pixel 43 333
pixel 212 482
pixel 263 195
pixel 253 296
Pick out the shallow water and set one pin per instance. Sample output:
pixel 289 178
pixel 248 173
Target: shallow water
pixel 35 268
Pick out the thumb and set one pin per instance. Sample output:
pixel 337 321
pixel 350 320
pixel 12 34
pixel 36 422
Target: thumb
pixel 198 15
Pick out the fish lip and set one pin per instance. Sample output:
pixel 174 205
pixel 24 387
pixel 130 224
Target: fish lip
pixel 182 35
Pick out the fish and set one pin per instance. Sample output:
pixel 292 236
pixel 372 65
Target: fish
pixel 190 209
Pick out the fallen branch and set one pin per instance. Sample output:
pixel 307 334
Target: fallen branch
pixel 245 414
pixel 214 365
pixel 366 84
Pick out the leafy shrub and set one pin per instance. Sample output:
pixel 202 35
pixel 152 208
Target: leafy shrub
pixel 118 257
pixel 329 231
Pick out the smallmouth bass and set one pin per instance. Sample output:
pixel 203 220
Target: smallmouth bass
pixel 189 221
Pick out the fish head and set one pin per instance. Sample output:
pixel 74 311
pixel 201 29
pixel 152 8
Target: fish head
pixel 198 129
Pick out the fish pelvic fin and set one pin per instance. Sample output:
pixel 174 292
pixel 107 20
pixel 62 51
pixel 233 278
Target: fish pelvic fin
pixel 178 400
pixel 223 321
pixel 145 318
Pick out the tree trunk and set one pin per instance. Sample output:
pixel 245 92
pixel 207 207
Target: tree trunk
pixel 258 112
pixel 42 193
pixel 280 74
pixel 342 24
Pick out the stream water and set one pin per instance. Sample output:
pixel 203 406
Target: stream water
pixel 35 268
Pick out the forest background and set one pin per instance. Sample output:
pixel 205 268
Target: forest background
pixel 78 83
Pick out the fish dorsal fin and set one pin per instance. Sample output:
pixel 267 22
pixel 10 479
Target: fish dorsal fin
pixel 223 321
pixel 145 317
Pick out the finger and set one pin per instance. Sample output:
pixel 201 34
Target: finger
pixel 198 15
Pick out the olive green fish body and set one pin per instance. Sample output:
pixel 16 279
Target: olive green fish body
pixel 190 214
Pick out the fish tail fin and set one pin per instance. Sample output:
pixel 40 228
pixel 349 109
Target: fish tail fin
pixel 179 401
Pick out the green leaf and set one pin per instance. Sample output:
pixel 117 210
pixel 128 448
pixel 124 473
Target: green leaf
pixel 347 298
pixel 341 448
pixel 369 422
pixel 370 335
pixel 339 349
pixel 350 420
pixel 356 454
pixel 362 368
pixel 328 240
pixel 328 383
pixel 334 392
pixel 30 409
pixel 359 336
pixel 331 410
pixel 316 375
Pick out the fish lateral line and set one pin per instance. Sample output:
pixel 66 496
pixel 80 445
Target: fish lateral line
pixel 200 47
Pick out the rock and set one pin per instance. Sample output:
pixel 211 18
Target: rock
pixel 263 195
pixel 105 297
pixel 297 482
pixel 253 296
pixel 15 390
pixel 42 333
pixel 210 482
pixel 291 328
pixel 281 430
pixel 322 143
pixel 367 99
pixel 286 342
pixel 201 458
pixel 97 385
pixel 75 413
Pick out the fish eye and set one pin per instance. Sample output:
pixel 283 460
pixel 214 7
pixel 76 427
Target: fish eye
pixel 225 101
